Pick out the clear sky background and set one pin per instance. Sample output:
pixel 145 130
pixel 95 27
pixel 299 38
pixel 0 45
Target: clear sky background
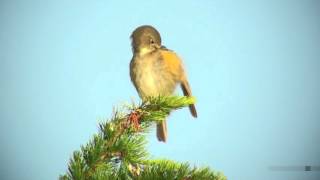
pixel 253 66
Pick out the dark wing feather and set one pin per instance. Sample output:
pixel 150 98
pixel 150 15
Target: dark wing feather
pixel 187 92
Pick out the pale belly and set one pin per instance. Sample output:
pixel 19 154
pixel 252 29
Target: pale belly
pixel 151 79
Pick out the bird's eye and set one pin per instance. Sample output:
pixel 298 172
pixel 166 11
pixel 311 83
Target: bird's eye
pixel 151 41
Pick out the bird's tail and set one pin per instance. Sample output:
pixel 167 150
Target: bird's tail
pixel 162 131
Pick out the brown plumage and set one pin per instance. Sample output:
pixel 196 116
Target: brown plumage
pixel 155 70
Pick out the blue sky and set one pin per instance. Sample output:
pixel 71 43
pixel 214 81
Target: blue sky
pixel 252 65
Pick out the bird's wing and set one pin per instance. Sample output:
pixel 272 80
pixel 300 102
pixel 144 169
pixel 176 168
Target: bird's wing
pixel 187 92
pixel 176 68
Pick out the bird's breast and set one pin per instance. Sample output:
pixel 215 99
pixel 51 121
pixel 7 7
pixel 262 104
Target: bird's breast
pixel 151 76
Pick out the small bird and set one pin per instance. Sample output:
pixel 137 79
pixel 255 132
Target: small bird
pixel 156 70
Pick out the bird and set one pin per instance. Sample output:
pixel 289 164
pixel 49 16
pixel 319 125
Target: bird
pixel 156 70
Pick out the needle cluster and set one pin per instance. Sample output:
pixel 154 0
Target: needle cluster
pixel 118 150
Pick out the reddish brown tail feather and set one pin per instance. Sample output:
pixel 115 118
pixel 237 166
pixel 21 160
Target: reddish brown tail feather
pixel 162 131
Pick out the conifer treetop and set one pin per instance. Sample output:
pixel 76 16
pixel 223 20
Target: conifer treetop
pixel 118 150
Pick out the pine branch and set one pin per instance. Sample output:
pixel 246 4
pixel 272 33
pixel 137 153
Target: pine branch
pixel 118 150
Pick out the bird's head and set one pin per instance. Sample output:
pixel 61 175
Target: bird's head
pixel 145 39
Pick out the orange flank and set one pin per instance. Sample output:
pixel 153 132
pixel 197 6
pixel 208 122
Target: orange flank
pixel 173 62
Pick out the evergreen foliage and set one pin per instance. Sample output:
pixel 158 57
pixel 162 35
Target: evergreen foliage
pixel 118 150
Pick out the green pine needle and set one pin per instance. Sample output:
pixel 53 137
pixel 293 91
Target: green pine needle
pixel 118 150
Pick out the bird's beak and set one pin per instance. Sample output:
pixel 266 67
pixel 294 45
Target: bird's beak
pixel 157 46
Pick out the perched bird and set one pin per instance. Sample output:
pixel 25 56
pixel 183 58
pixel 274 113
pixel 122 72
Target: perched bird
pixel 156 70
